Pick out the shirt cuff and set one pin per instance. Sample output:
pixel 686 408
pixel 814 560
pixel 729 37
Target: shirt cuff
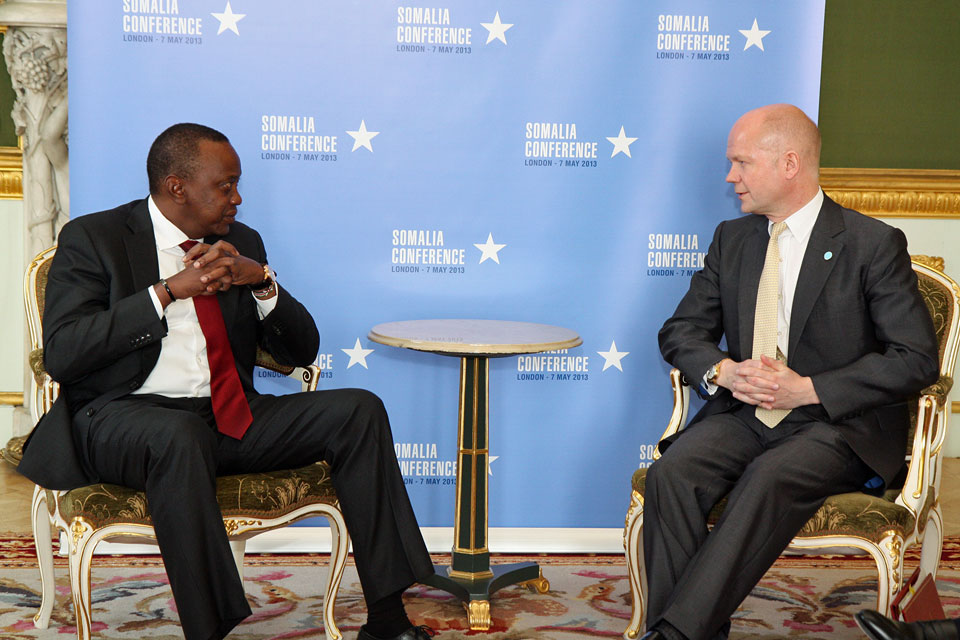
pixel 264 307
pixel 709 387
pixel 156 301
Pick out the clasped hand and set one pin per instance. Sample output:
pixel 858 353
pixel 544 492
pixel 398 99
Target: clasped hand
pixel 767 383
pixel 213 268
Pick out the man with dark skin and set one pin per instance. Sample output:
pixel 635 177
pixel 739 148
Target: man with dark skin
pixel 138 404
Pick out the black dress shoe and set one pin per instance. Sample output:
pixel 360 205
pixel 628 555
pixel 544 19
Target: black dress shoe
pixel 653 634
pixel 878 627
pixel 422 632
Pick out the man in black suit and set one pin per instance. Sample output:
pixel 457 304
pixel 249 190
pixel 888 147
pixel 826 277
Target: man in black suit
pixel 139 405
pixel 807 398
pixel 877 627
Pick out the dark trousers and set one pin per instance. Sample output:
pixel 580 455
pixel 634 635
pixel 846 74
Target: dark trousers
pixel 169 448
pixel 776 480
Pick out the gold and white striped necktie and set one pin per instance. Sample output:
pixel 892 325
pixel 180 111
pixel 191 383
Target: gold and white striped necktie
pixel 765 318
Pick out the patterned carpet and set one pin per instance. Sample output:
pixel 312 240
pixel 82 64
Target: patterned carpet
pixel 800 597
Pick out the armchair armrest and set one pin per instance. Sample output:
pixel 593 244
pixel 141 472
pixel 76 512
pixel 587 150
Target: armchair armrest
pixel 309 375
pixel 939 390
pixel 43 389
pixel 36 365
pixel 681 405
pixel 926 447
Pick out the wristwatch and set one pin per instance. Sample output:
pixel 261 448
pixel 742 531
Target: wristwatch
pixel 713 373
pixel 269 277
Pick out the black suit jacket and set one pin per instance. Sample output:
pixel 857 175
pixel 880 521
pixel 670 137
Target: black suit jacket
pixel 858 328
pixel 101 332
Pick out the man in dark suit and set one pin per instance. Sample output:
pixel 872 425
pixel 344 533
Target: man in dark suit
pixel 826 335
pixel 127 335
pixel 878 627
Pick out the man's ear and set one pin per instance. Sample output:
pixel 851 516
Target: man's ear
pixel 173 185
pixel 791 164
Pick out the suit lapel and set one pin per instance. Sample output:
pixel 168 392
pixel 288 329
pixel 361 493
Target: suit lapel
pixel 141 248
pixel 822 253
pixel 751 266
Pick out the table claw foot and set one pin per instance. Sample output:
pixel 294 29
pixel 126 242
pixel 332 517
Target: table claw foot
pixel 540 585
pixel 478 614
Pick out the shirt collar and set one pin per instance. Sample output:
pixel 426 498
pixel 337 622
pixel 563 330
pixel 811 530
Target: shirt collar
pixel 800 223
pixel 166 234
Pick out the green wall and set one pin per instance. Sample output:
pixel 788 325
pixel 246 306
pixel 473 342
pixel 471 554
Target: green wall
pixel 8 136
pixel 890 88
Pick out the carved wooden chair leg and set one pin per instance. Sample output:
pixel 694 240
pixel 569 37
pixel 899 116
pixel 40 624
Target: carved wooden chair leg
pixel 238 547
pixel 888 554
pixel 40 519
pixel 339 546
pixel 932 542
pixel 636 572
pixel 80 560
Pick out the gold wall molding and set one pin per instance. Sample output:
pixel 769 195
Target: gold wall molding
pixel 11 173
pixel 895 193
pixel 11 398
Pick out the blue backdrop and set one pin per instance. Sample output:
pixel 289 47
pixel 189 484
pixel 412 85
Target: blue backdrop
pixel 549 161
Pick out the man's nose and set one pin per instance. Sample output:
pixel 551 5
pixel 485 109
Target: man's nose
pixel 732 175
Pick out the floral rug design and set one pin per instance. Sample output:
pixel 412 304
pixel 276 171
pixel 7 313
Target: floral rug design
pixel 800 597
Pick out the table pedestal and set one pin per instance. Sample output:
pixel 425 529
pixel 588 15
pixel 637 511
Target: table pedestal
pixel 470 576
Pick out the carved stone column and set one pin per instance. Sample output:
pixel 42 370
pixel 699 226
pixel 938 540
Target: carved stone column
pixel 35 49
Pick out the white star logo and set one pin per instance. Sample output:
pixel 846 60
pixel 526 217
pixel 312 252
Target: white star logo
pixel 362 137
pixel 358 355
pixel 613 357
pixel 489 249
pixel 490 462
pixel 754 36
pixel 228 20
pixel 621 143
pixel 497 30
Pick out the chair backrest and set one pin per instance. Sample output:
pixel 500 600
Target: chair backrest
pixel 34 290
pixel 942 296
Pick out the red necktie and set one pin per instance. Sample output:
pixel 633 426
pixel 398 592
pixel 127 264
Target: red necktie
pixel 230 408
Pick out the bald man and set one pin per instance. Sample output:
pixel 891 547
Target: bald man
pixel 806 399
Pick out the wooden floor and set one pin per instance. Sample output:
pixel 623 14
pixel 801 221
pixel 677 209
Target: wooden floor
pixel 16 492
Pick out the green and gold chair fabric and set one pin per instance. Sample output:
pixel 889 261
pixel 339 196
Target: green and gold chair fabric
pixel 251 503
pixel 883 527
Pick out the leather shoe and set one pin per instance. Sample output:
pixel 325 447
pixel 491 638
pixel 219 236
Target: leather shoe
pixel 878 627
pixel 653 634
pixel 422 632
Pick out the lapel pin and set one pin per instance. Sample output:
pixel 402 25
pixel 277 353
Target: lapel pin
pixel 828 255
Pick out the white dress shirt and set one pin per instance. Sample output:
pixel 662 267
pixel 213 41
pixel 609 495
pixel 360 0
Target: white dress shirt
pixel 793 245
pixel 182 369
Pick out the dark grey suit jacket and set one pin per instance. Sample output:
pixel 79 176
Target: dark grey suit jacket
pixel 858 328
pixel 102 335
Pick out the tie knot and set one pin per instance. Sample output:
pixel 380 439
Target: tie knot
pixel 777 229
pixel 186 245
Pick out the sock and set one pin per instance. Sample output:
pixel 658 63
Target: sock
pixel 386 617
pixel 669 631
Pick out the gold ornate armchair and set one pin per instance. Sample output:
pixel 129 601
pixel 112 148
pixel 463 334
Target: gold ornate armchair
pixel 883 527
pixel 251 503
